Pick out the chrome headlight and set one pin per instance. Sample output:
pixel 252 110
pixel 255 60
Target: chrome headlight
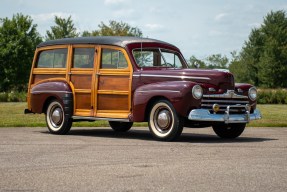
pixel 252 93
pixel 197 92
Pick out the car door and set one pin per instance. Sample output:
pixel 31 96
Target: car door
pixel 81 77
pixel 113 83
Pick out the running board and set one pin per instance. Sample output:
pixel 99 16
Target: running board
pixel 81 118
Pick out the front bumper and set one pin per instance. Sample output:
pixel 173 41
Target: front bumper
pixel 205 116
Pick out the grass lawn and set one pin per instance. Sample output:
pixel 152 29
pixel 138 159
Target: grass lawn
pixel 12 115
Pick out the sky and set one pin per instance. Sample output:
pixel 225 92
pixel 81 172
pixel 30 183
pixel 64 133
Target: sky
pixel 198 28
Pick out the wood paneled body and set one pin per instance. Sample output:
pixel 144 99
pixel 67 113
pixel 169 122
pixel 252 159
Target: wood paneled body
pixel 99 89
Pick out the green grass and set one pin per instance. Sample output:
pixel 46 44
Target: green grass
pixel 12 115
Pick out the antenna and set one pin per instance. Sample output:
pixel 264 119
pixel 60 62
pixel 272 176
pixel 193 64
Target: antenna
pixel 141 53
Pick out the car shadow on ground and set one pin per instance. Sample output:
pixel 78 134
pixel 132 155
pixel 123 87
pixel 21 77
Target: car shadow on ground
pixel 146 135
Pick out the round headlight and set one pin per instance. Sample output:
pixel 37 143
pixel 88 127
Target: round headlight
pixel 197 92
pixel 252 93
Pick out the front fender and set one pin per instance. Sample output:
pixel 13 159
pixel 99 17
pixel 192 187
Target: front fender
pixel 177 92
pixel 44 90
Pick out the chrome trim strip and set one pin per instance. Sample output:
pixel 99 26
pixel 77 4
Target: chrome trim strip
pixel 224 101
pixel 228 94
pixel 205 116
pixel 38 92
pixel 148 91
pixel 177 77
pixel 98 118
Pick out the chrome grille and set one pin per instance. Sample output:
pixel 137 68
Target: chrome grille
pixel 236 102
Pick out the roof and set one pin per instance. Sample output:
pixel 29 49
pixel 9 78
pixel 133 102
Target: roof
pixel 121 41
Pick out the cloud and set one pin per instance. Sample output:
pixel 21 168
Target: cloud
pixel 153 26
pixel 124 13
pixel 50 16
pixel 220 16
pixel 113 2
pixel 254 25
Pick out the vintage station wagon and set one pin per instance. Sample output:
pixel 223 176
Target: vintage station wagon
pixel 130 79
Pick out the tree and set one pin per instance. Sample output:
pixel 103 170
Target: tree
pixel 196 63
pixel 263 59
pixel 114 28
pixel 64 28
pixel 217 61
pixel 18 40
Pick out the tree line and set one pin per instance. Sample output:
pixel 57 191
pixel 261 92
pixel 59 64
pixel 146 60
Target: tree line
pixel 262 60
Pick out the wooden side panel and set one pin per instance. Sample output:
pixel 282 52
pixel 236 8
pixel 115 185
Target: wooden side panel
pixel 82 81
pixel 83 100
pixel 115 83
pixel 112 102
pixel 40 77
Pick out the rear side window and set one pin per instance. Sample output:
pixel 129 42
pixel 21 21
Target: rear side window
pixel 56 58
pixel 83 57
pixel 113 59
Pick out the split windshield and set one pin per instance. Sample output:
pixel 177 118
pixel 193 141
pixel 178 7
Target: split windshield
pixel 155 57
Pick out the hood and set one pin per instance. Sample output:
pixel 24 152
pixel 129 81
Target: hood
pixel 221 80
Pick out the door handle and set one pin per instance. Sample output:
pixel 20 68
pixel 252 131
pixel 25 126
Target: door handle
pixel 98 74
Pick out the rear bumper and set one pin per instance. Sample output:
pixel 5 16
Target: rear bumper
pixel 205 116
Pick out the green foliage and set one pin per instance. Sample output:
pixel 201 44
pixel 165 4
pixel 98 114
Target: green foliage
pixel 263 59
pixel 64 28
pixel 13 97
pixel 18 39
pixel 215 61
pixel 114 28
pixel 268 96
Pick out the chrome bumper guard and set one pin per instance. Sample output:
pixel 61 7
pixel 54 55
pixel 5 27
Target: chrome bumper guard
pixel 205 115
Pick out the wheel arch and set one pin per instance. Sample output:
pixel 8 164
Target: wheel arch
pixel 53 89
pixel 150 104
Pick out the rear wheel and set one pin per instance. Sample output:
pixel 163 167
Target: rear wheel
pixel 56 119
pixel 120 126
pixel 164 123
pixel 229 131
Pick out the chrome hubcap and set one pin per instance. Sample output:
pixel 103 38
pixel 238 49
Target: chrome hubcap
pixel 57 117
pixel 162 120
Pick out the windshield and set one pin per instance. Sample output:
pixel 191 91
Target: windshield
pixel 155 57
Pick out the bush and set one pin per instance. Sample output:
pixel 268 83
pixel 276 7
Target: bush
pixel 3 97
pixel 13 97
pixel 268 96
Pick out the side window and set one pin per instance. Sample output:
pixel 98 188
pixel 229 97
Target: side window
pixel 55 58
pixel 171 60
pixel 148 57
pixel 83 57
pixel 113 59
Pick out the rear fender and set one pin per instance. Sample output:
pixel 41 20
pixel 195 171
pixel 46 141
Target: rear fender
pixel 45 91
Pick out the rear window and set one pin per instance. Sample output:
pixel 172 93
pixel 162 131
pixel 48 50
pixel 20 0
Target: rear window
pixel 56 58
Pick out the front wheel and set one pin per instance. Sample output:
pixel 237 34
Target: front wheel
pixel 164 123
pixel 229 131
pixel 57 120
pixel 120 126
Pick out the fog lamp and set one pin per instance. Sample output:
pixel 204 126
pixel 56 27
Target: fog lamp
pixel 215 107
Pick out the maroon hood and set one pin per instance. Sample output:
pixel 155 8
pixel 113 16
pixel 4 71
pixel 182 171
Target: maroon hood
pixel 220 80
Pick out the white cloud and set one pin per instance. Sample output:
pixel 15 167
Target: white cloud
pixel 254 25
pixel 112 2
pixel 50 16
pixel 220 16
pixel 124 12
pixel 153 26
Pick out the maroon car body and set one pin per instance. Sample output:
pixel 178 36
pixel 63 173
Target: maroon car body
pixel 129 79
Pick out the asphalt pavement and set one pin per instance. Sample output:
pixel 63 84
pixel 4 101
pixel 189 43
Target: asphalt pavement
pixel 98 159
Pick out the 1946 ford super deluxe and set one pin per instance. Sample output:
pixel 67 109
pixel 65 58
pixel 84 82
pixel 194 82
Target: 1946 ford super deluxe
pixel 130 79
